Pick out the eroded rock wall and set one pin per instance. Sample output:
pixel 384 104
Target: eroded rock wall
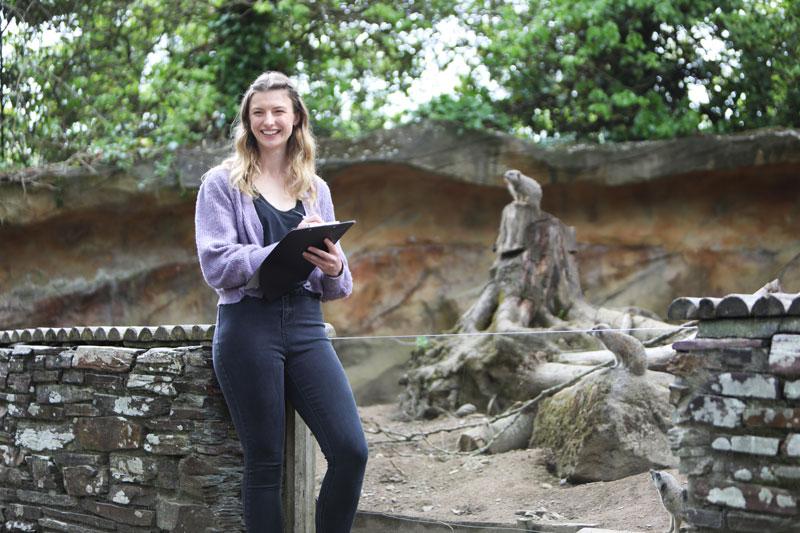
pixel 654 221
pixel 711 232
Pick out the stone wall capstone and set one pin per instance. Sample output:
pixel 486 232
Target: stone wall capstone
pixel 115 429
pixel 737 401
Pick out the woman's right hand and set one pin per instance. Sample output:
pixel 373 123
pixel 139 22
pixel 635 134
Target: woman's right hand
pixel 310 221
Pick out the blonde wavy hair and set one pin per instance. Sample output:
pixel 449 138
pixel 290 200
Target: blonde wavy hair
pixel 300 149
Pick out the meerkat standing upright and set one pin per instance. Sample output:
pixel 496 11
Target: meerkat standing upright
pixel 673 497
pixel 523 189
pixel 628 351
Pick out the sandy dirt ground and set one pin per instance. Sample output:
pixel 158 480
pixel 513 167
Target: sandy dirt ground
pixel 418 479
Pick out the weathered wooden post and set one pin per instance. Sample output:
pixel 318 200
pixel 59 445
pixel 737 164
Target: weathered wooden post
pixel 298 465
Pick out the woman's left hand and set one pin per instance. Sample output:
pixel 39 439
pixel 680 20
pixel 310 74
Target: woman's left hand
pixel 330 262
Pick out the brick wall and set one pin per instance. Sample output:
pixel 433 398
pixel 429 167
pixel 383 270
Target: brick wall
pixel 106 429
pixel 737 400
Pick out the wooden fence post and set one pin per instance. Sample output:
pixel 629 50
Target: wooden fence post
pixel 299 475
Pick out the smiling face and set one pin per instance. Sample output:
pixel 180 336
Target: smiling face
pixel 272 119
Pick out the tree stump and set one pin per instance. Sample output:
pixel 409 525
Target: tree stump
pixel 533 292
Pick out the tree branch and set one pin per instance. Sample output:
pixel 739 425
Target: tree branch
pixel 74 93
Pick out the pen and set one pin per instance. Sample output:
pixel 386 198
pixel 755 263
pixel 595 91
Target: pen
pixel 304 216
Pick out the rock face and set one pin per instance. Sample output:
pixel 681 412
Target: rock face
pixel 607 426
pixel 654 221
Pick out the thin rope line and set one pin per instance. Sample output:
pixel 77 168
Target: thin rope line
pixel 492 333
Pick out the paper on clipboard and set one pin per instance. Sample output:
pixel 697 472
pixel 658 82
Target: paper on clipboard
pixel 285 266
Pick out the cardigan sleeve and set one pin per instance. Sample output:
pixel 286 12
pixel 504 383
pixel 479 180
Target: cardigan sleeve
pixel 226 262
pixel 334 287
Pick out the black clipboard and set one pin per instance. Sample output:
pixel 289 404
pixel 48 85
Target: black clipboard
pixel 285 267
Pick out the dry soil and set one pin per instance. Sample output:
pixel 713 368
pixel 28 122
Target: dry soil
pixel 419 479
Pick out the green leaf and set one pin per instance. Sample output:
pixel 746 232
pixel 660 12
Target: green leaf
pixel 624 98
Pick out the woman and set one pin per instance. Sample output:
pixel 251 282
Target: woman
pixel 265 351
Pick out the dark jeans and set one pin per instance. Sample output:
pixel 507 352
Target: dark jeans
pixel 265 352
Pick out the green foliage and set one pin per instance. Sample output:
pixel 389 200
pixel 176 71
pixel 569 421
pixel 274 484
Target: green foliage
pixel 598 69
pixel 472 108
pixel 622 69
pixel 120 77
pixel 86 76
pixel 762 84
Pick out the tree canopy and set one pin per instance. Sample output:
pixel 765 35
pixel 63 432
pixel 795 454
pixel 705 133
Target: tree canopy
pixel 631 69
pixel 111 76
pixel 114 77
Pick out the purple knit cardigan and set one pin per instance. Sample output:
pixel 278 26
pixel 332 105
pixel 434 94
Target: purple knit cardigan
pixel 230 240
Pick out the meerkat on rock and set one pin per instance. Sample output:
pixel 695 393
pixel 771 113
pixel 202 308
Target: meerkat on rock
pixel 628 351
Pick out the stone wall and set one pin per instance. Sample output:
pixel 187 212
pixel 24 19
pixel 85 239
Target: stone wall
pixel 737 399
pixel 107 429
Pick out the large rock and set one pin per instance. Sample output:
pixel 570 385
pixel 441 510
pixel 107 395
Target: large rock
pixel 607 426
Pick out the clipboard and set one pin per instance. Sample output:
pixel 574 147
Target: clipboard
pixel 285 267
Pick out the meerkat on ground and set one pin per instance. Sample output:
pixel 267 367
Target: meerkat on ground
pixel 522 188
pixel 673 497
